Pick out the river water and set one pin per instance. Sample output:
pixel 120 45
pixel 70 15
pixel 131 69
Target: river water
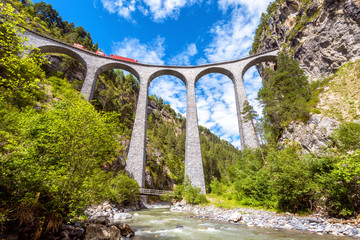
pixel 160 223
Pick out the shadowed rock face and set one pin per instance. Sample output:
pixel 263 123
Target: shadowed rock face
pixel 321 35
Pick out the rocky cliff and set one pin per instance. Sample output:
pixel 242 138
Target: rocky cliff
pixel 321 34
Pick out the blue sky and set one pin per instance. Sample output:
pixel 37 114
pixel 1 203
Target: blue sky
pixel 178 32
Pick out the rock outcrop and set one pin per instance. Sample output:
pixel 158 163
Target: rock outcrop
pixel 320 34
pixel 313 136
pixel 102 228
pixel 68 67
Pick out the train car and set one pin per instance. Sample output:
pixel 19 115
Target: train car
pixel 79 46
pixel 123 58
pixel 101 53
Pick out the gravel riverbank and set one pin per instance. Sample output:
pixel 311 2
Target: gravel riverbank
pixel 268 219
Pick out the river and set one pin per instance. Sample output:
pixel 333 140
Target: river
pixel 160 223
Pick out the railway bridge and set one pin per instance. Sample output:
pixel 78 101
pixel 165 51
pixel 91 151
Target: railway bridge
pixel 145 73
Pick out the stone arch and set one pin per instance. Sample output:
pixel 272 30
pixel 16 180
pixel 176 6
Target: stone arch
pixel 117 65
pixel 260 59
pixel 63 50
pixel 215 70
pixel 170 72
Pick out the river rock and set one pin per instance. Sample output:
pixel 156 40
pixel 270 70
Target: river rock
pixel 235 217
pixel 268 219
pixel 119 216
pixel 98 231
pixel 125 229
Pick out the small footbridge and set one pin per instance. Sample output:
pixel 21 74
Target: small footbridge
pixel 154 192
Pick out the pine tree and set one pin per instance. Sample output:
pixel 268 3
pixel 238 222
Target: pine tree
pixel 284 94
pixel 249 114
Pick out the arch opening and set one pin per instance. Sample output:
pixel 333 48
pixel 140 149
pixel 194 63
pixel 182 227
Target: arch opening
pixel 62 50
pixel 118 65
pixel 257 60
pixel 166 134
pixel 167 72
pixel 215 70
pixel 65 67
pixel 117 91
pixel 218 122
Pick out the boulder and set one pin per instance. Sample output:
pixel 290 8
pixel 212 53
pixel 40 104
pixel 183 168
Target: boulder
pixel 125 229
pixel 235 217
pixel 98 231
pixel 119 216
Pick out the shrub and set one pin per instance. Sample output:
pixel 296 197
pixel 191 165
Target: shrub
pixel 193 194
pixel 52 167
pixel 292 181
pixel 216 187
pixel 179 191
pixel 347 136
pixel 124 190
pixel 342 186
pixel 20 72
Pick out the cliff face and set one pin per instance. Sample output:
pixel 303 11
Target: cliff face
pixel 320 34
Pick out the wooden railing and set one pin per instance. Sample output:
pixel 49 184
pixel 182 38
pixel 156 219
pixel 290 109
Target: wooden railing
pixel 154 192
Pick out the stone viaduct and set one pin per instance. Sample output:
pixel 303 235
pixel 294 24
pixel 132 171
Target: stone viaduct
pixel 145 73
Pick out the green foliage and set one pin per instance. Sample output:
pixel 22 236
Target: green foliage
pixel 115 92
pixel 62 29
pixel 251 180
pixel 217 155
pixel 20 72
pixel 216 187
pixel 193 194
pixel 179 191
pixel 292 181
pixel 124 190
pixel 347 136
pixel 296 182
pixel 284 94
pixel 263 26
pixel 51 160
pixel 342 186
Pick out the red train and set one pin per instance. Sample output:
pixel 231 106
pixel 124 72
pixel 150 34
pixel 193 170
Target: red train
pixel 103 54
pixel 123 58
pixel 78 46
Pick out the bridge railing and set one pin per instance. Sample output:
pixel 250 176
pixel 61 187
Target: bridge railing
pixel 144 191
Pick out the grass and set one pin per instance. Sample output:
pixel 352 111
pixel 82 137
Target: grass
pixel 340 98
pixel 223 202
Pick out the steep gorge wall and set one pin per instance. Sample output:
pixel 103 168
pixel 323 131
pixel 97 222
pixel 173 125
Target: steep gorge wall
pixel 321 34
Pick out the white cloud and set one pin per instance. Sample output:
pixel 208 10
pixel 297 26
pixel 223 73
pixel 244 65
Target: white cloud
pixel 231 40
pixel 252 83
pixel 215 100
pixel 172 90
pixel 158 9
pixel 151 53
pixel 252 6
pixel 123 8
pixel 183 58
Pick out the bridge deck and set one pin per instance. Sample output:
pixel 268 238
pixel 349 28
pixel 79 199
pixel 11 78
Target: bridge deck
pixel 154 192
